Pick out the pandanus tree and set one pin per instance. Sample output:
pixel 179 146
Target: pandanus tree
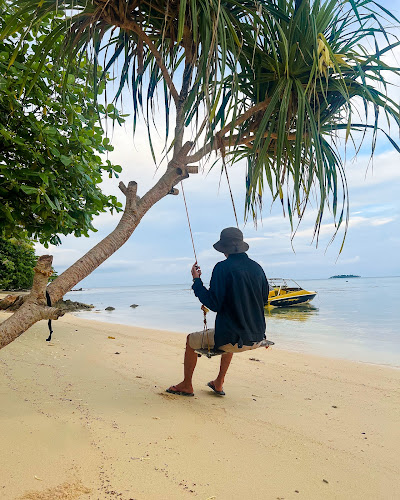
pixel 274 83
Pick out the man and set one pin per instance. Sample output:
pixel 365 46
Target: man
pixel 238 292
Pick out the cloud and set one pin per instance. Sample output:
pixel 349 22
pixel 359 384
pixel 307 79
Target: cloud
pixel 382 222
pixel 173 259
pixel 259 239
pixel 385 168
pixel 62 256
pixel 350 260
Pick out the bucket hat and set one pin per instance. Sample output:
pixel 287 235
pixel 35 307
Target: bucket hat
pixel 231 241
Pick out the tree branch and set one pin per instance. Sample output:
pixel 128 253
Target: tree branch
pixel 245 116
pixel 130 193
pixel 231 141
pixel 227 141
pixel 34 307
pixel 180 122
pixel 129 24
pixel 180 158
pixel 41 277
pixel 213 144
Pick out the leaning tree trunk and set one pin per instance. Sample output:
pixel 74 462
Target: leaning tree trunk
pixel 35 308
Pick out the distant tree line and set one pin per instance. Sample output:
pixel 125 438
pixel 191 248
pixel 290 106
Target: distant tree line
pixel 17 260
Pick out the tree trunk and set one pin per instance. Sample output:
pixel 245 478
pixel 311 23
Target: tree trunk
pixel 35 308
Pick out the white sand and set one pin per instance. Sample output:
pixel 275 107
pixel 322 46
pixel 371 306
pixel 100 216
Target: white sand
pixel 78 421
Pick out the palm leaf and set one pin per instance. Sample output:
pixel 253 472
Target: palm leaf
pixel 306 63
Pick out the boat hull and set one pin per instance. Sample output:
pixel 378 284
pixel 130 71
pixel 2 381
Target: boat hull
pixel 291 300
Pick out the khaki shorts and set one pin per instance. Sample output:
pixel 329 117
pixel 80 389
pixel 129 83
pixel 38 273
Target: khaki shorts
pixel 205 340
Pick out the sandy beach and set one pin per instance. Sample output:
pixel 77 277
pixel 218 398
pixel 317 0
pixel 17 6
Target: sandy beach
pixel 86 416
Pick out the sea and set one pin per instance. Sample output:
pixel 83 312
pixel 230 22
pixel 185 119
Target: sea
pixel 356 319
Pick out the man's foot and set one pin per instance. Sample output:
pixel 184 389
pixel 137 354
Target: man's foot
pixel 212 386
pixel 181 390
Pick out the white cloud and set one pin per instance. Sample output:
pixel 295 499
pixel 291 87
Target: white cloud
pixel 62 256
pixel 350 260
pixel 385 168
pixel 382 222
pixel 258 239
pixel 173 259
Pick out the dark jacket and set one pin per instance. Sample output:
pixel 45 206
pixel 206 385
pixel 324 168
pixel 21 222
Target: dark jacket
pixel 238 292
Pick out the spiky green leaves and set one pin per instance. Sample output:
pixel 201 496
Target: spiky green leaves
pixel 273 82
pixel 316 73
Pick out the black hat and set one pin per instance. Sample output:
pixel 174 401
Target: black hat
pixel 231 241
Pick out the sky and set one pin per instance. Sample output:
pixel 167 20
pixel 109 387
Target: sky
pixel 160 250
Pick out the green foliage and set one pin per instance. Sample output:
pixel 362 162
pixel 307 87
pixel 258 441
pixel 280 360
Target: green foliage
pixel 276 83
pixel 17 260
pixel 50 141
pixel 321 70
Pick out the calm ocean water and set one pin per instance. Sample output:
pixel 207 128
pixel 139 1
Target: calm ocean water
pixel 356 319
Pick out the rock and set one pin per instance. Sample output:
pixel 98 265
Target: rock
pixel 110 308
pixel 71 306
pixel 134 306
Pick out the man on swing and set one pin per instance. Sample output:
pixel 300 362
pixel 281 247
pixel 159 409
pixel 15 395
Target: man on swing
pixel 238 292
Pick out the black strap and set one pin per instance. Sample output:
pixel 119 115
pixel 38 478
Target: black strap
pixel 49 322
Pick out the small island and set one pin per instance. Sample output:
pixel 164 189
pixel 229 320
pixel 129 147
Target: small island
pixel 344 276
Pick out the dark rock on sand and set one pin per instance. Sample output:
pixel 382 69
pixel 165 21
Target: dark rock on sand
pixel 71 306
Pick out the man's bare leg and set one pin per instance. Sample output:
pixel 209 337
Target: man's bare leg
pixel 189 365
pixel 223 368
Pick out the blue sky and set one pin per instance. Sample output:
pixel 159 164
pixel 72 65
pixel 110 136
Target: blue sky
pixel 160 250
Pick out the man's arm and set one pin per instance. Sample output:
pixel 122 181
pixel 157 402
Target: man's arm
pixel 212 298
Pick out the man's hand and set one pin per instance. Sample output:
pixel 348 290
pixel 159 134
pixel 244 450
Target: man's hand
pixel 196 271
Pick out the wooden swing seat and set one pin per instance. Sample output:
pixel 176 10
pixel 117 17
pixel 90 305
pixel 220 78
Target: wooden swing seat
pixel 217 352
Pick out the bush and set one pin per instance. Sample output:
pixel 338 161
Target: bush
pixel 17 260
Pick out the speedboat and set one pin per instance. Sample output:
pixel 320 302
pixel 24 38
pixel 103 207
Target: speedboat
pixel 286 292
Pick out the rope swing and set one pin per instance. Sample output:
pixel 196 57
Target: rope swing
pixel 207 351
pixel 203 307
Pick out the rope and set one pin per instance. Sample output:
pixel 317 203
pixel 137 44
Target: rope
pixel 205 329
pixel 48 300
pixel 190 228
pixel 230 191
pixel 203 307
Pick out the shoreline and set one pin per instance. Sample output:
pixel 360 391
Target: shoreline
pixel 86 416
pixel 326 330
pixel 112 323
pixel 270 337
